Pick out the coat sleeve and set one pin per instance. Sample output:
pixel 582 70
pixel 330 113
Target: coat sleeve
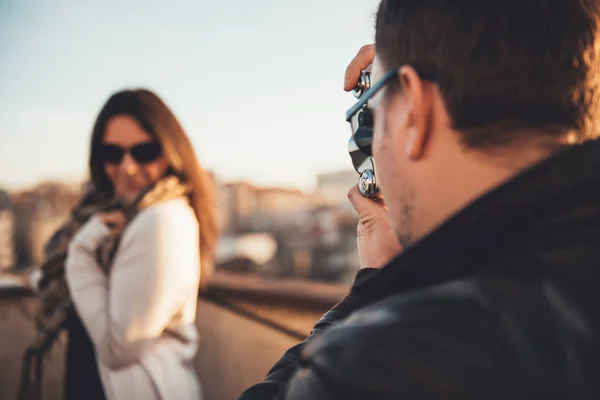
pixel 280 374
pixel 432 350
pixel 156 263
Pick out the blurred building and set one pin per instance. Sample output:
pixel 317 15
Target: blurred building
pixel 7 232
pixel 323 247
pixel 275 232
pixel 315 236
pixel 280 207
pixel 39 212
pixel 217 185
pixel 334 186
pixel 248 208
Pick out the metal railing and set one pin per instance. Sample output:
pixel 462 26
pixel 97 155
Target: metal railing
pixel 224 289
pixel 227 290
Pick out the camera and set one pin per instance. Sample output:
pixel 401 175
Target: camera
pixel 363 84
pixel 359 145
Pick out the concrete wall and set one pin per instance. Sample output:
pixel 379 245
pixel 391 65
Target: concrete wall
pixel 235 351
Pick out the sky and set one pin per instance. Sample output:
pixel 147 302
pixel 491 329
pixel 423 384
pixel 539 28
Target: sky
pixel 257 85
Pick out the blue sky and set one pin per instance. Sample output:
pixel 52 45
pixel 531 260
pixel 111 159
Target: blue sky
pixel 265 75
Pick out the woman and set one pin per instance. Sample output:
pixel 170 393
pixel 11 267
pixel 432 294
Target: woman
pixel 133 267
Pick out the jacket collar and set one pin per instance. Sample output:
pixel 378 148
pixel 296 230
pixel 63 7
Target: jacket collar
pixel 552 204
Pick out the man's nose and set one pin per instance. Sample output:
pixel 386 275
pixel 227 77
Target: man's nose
pixel 128 165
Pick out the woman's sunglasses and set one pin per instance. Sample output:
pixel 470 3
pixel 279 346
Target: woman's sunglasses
pixel 142 153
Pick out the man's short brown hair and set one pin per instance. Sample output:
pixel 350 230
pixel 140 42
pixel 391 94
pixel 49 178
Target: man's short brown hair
pixel 502 65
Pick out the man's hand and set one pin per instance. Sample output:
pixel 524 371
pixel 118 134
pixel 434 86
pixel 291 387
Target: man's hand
pixel 362 61
pixel 376 238
pixel 377 241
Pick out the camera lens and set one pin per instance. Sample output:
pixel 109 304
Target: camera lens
pixel 364 118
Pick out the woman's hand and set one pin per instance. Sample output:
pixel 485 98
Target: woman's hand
pixel 114 220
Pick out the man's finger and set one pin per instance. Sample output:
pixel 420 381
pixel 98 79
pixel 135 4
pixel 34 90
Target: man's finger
pixel 361 204
pixel 361 61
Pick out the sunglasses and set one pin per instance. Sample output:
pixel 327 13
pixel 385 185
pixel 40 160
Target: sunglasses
pixel 361 119
pixel 143 153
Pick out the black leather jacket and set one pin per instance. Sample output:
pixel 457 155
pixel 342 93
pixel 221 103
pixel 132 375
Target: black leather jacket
pixel 500 302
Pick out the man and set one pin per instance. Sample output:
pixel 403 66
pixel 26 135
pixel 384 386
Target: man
pixel 485 151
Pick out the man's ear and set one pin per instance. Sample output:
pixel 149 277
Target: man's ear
pixel 418 110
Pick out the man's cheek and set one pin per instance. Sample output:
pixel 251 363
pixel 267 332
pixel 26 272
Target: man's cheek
pixel 377 142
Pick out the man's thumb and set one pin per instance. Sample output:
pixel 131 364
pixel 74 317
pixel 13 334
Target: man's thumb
pixel 361 204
